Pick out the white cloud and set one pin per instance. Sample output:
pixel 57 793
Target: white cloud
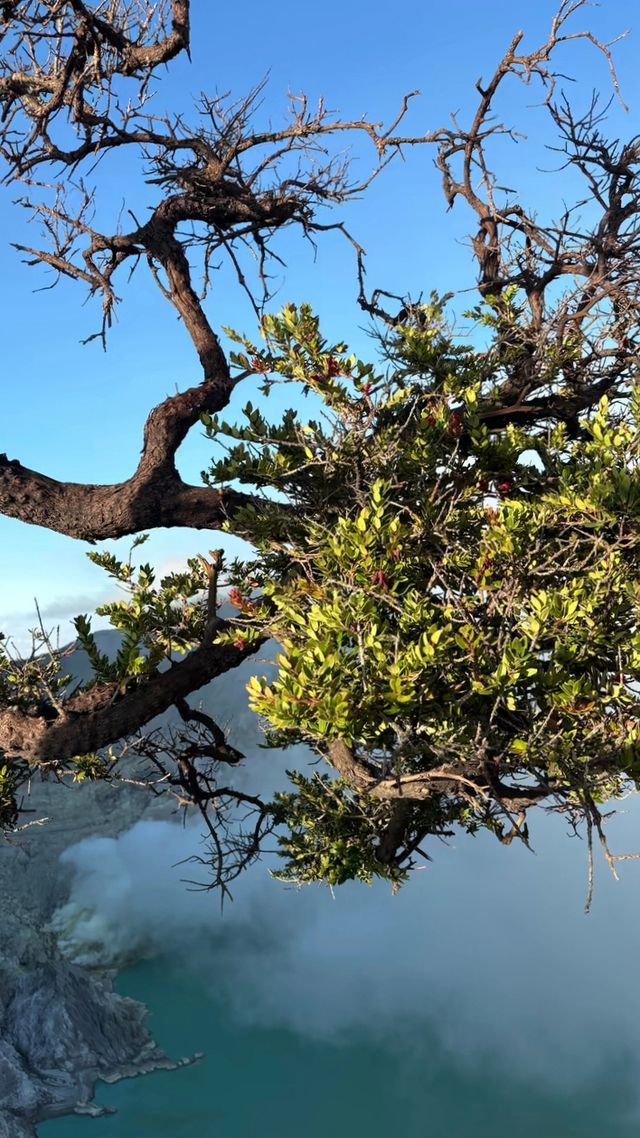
pixel 488 948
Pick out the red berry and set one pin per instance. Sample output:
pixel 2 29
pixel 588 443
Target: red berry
pixel 380 579
pixel 504 487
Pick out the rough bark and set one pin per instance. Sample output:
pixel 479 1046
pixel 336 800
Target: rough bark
pixel 447 779
pixel 97 512
pixel 103 714
pixel 155 495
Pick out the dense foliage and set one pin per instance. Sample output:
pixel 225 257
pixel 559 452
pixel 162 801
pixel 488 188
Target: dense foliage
pixel 448 599
pixel 444 539
pixel 455 605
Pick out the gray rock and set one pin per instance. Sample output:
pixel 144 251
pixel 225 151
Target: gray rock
pixel 65 1021
pixel 12 1126
pixel 17 1090
pixel 61 1026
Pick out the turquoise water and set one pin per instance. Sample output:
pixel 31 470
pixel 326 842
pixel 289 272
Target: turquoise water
pixel 479 1003
pixel 277 1084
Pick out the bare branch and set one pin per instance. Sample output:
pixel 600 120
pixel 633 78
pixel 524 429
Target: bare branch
pixel 103 714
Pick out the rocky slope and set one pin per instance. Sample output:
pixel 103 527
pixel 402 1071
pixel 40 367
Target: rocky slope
pixel 60 1026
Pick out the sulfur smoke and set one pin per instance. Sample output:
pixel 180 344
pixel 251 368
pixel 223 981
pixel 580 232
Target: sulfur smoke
pixel 487 947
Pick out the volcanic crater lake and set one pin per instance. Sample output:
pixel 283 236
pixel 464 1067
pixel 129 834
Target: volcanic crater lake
pixel 275 1083
pixel 480 1002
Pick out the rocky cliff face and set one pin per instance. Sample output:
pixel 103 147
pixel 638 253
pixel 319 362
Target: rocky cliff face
pixel 61 1027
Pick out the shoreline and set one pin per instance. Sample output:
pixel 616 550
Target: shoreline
pixel 62 1026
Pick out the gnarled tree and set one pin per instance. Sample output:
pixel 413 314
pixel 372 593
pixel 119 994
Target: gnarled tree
pixel 449 562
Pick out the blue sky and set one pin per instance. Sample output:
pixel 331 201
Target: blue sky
pixel 76 413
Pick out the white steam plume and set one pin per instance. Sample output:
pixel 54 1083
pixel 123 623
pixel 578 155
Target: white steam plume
pixel 488 946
